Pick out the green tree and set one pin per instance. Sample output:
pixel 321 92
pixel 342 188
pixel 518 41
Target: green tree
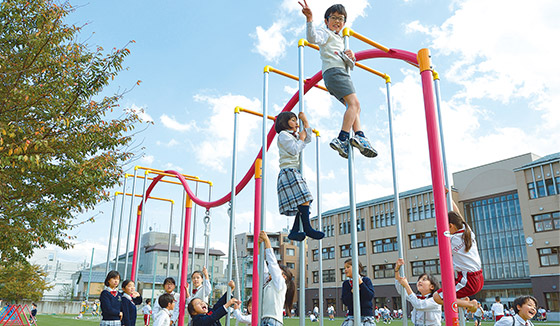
pixel 59 148
pixel 21 280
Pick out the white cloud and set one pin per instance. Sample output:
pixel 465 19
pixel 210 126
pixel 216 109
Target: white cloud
pixel 171 123
pixel 171 143
pixel 214 152
pixel 147 159
pixel 271 43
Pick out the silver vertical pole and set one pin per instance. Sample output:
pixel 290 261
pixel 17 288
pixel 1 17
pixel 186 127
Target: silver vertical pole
pixel 233 196
pixel 129 223
pixel 193 223
pixel 301 245
pixel 443 157
pixel 120 224
pixel 154 264
pixel 320 226
pixel 90 270
pixel 140 227
pixel 396 205
pixel 207 230
pixel 353 224
pixel 111 234
pixel 263 189
pixel 169 241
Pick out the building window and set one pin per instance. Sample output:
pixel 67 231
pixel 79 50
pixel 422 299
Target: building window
pixel 290 252
pixel 425 267
pixel 426 239
pixel 361 248
pixel 315 276
pixel 361 225
pixel 315 254
pixel 531 190
pixel 291 265
pixel 328 253
pixel 384 271
pixel 345 251
pixel 329 275
pixel 552 300
pixel 544 188
pixel 549 256
pixel 343 275
pixel 547 221
pixel 51 257
pixel 384 245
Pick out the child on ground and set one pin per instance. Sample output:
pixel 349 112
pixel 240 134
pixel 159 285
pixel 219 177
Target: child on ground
pixel 163 316
pixel 497 309
pixel 477 316
pixel 201 316
pixel 294 196
pixel 426 311
pixel 169 287
pixel 337 80
pixel 131 298
pixel 201 285
pixel 244 319
pixel 278 290
pixel 466 262
pixel 33 311
pixel 330 311
pixel 525 308
pixel 147 311
pixel 111 301
pixel 367 294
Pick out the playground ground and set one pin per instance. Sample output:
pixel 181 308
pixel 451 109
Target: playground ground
pixel 69 320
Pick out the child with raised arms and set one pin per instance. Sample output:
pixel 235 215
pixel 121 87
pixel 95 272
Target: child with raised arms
pixel 337 80
pixel 294 196
pixel 202 316
pixel 367 294
pixel 201 285
pixel 426 311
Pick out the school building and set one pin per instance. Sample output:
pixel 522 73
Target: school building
pixel 513 207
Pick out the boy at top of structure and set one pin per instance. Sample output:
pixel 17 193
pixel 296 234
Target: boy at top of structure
pixel 337 80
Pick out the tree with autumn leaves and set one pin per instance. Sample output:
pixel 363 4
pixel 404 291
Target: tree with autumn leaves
pixel 59 148
pixel 22 281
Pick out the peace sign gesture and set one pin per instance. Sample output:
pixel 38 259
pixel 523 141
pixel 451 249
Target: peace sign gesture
pixel 306 11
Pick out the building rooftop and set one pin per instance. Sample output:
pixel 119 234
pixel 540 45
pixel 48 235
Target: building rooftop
pixel 164 247
pixel 543 160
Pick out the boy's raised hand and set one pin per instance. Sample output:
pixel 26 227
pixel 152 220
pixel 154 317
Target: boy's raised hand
pixel 306 11
pixel 231 284
pixel 205 272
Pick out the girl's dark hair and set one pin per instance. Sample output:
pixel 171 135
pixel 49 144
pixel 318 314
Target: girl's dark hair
pixel 190 307
pixel 197 272
pixel 433 280
pixel 169 280
pixel 165 299
pixel 459 222
pixel 125 283
pixel 519 301
pixel 110 275
pixel 248 302
pixel 148 301
pixel 336 9
pixel 291 290
pixel 360 266
pixel 282 119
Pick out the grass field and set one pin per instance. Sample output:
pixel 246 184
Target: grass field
pixel 66 320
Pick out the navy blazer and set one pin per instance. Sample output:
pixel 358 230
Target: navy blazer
pixel 367 294
pixel 111 306
pixel 130 311
pixel 212 318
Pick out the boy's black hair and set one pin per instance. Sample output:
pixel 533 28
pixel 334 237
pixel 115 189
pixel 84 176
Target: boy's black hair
pixel 497 298
pixel 338 8
pixel 125 283
pixel 169 280
pixel 110 275
pixel 519 301
pixel 165 300
pixel 282 119
pixel 148 301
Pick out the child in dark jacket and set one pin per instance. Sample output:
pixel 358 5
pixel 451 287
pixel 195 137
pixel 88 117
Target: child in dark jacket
pixel 111 301
pixel 201 316
pixel 131 299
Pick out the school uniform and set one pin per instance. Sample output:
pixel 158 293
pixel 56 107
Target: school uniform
pixel 212 317
pixel 129 309
pixel 497 310
pixel 202 292
pixel 147 311
pixel 174 313
pixel 111 307
pixel 513 321
pixel 243 319
pixel 426 311
pixel 274 292
pixel 163 317
pixel 367 294
pixel 467 265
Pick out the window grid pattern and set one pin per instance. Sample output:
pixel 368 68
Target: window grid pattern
pixel 547 221
pixel 549 256
pixel 384 271
pixel 420 267
pixel 420 207
pixel 329 276
pixel 496 222
pixel 426 239
pixel 383 215
pixel 384 245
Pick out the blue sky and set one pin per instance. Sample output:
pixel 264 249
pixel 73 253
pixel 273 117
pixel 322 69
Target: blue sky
pixel 500 89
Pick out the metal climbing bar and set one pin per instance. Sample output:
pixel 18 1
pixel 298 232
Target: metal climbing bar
pixel 240 109
pixel 285 74
pixel 348 31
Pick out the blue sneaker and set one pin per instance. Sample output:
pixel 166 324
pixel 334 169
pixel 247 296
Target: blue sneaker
pixel 363 145
pixel 340 146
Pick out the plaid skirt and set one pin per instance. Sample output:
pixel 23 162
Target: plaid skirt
pixel 110 323
pixel 366 321
pixel 292 191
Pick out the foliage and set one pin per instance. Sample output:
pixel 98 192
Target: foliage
pixel 21 280
pixel 58 148
pixel 65 292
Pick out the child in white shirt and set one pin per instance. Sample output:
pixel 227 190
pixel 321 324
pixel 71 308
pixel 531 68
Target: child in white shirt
pixel 525 308
pixel 163 317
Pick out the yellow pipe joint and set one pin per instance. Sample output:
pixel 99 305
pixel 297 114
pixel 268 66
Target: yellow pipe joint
pixel 316 132
pixel 435 74
pixel 267 68
pixel 302 42
pixel 347 31
pixel 424 60
pixel 236 109
pixel 258 168
pixel 188 203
